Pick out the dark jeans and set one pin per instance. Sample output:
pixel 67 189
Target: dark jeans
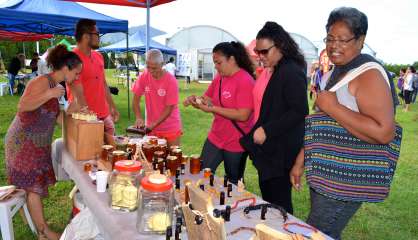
pixel 234 164
pixel 277 191
pixel 329 215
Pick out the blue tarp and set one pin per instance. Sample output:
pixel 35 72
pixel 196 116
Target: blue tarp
pixel 52 16
pixel 137 44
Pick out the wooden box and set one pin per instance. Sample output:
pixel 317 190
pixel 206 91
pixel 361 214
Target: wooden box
pixel 83 139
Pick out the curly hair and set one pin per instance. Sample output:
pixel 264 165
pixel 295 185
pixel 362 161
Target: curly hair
pixel 239 52
pixel 59 57
pixel 282 40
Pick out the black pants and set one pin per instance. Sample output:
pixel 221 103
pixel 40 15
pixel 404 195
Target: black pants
pixel 278 191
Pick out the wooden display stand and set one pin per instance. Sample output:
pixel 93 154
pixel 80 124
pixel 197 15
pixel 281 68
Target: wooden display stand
pixel 211 228
pixel 267 233
pixel 83 139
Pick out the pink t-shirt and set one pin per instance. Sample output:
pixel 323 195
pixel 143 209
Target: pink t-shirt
pixel 258 91
pixel 159 94
pixel 236 93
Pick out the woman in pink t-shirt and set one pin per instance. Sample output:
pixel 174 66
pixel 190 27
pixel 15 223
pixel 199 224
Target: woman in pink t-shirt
pixel 229 98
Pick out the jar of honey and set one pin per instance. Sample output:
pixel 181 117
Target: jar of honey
pixel 152 140
pixel 172 148
pixel 159 154
pixel 178 153
pixel 172 164
pixel 118 155
pixel 106 151
pixel 194 164
pixel 207 172
pixel 148 151
pixel 185 159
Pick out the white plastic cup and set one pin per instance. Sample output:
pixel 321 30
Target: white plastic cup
pixel 101 181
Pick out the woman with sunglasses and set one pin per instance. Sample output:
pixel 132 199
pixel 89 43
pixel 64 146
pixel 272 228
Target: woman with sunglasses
pixel 229 98
pixel 280 107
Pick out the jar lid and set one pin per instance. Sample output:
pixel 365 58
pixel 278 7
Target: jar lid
pixel 107 147
pixel 195 156
pixel 176 150
pixel 118 152
pixel 128 166
pixel 171 158
pixel 162 141
pixel 157 183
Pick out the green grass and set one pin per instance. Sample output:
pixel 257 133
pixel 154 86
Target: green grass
pixel 395 218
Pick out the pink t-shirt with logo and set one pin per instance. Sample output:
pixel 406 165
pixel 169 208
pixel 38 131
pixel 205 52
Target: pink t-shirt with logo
pixel 258 91
pixel 236 93
pixel 159 94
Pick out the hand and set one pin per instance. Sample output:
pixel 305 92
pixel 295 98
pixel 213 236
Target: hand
pixel 139 123
pixel 72 108
pixel 206 107
pixel 296 174
pixel 190 100
pixel 115 115
pixel 326 101
pixel 259 136
pixel 56 91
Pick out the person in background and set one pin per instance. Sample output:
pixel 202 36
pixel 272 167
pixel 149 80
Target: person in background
pixel 280 107
pixel 414 86
pixel 34 62
pixel 401 81
pixel 408 86
pixel 364 106
pixel 17 63
pixel 161 100
pixel 171 67
pixel 229 98
pixel 90 90
pixel 28 140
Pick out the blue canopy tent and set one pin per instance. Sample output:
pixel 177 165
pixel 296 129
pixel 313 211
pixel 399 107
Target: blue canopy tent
pixel 53 17
pixel 137 43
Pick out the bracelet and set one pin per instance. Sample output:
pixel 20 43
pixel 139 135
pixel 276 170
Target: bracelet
pixel 235 231
pixel 286 228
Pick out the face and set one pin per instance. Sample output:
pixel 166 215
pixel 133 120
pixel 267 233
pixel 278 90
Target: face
pixel 223 65
pixel 155 69
pixel 341 45
pixel 71 75
pixel 93 38
pixel 268 53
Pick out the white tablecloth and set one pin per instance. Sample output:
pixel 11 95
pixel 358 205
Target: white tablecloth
pixel 120 225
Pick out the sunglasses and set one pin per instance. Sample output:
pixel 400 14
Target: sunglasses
pixel 263 51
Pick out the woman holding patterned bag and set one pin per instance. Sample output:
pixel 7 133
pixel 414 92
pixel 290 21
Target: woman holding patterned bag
pixel 359 98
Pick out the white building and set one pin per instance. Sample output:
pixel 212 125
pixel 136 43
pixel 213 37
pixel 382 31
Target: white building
pixel 194 49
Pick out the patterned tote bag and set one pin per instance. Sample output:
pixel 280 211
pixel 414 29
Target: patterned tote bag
pixel 340 165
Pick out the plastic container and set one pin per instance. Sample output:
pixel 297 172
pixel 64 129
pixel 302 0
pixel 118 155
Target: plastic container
pixel 155 206
pixel 124 185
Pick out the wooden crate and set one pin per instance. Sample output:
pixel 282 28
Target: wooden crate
pixel 83 139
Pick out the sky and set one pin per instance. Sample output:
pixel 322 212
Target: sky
pixel 393 25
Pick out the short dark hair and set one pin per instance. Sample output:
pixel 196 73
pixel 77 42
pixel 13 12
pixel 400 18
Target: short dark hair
pixel 282 40
pixel 59 57
pixel 83 26
pixel 355 20
pixel 171 59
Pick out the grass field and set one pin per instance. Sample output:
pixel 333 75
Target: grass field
pixel 396 218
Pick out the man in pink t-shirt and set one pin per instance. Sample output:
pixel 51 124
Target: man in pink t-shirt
pixel 161 100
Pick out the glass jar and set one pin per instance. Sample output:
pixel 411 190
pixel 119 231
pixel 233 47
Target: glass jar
pixel 159 154
pixel 195 164
pixel 153 140
pixel 155 206
pixel 124 184
pixel 121 142
pixel 118 155
pixel 106 151
pixel 185 159
pixel 179 154
pixel 172 164
pixel 148 151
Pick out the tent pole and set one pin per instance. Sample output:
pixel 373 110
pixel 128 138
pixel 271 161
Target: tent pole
pixel 127 74
pixel 147 28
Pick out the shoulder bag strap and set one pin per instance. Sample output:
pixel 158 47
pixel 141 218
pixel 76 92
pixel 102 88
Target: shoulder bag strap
pixel 220 102
pixel 357 71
